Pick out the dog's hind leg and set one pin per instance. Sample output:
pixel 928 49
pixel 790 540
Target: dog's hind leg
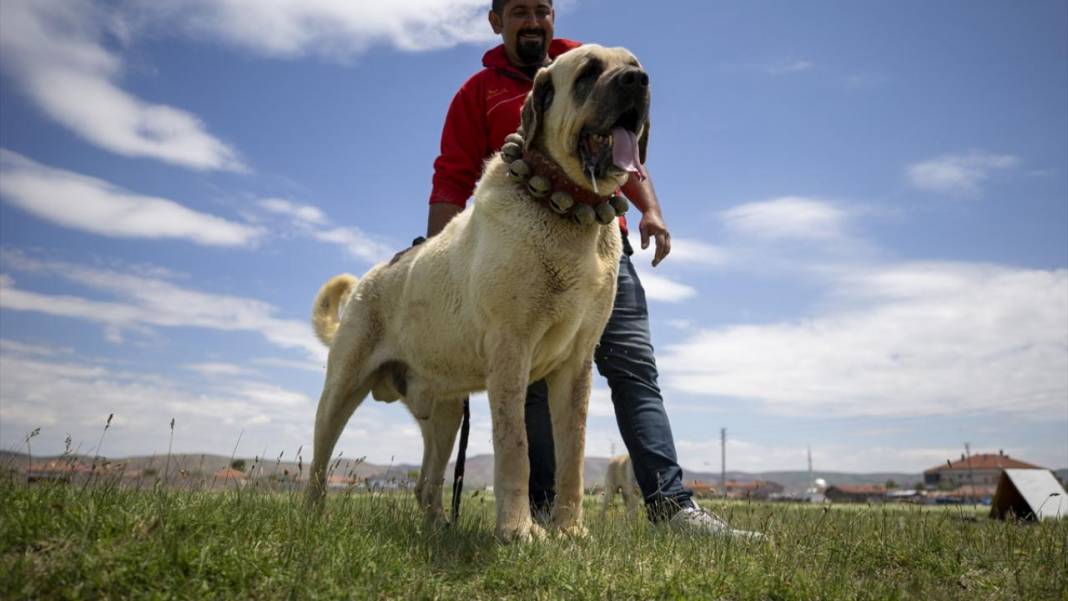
pixel 341 395
pixel 439 434
pixel 335 409
pixel 569 393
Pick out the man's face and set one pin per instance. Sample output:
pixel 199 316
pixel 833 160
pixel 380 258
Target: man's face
pixel 527 28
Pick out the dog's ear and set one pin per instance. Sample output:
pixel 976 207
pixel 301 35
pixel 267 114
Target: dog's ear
pixel 534 107
pixel 643 142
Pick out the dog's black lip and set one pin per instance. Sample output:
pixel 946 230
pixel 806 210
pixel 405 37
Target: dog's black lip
pixel 628 120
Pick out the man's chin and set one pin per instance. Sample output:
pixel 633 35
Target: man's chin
pixel 531 54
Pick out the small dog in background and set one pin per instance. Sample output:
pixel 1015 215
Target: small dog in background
pixel 619 477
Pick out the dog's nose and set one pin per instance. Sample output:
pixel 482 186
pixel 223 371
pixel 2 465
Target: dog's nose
pixel 633 77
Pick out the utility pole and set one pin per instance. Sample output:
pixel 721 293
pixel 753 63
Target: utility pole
pixel 811 481
pixel 971 476
pixel 723 461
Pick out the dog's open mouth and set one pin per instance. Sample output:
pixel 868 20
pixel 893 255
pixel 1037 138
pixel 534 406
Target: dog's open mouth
pixel 612 148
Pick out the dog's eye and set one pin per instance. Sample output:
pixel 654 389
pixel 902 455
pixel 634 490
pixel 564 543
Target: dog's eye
pixel 587 77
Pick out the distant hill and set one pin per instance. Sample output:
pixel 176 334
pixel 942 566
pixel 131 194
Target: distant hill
pixel 479 473
pixel 478 470
pixel 205 464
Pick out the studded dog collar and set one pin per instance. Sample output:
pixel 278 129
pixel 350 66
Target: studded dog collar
pixel 546 182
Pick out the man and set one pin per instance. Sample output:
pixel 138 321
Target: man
pixel 484 111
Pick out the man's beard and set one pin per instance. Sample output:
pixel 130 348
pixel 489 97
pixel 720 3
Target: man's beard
pixel 531 53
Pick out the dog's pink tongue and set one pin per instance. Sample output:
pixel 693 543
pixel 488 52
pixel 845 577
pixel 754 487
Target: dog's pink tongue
pixel 625 152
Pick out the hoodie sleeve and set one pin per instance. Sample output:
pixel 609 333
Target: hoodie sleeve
pixel 464 145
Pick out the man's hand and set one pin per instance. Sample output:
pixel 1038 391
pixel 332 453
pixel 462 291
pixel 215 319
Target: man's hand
pixel 653 226
pixel 641 193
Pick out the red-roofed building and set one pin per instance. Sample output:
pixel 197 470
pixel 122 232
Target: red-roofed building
pixel 341 481
pixel 702 490
pixel 229 475
pixel 983 469
pixel 58 470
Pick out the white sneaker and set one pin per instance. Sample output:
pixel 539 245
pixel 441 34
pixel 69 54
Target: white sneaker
pixel 695 520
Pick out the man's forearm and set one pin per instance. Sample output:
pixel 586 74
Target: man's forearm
pixel 441 213
pixel 642 194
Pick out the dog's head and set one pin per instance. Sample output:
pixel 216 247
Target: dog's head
pixel 589 112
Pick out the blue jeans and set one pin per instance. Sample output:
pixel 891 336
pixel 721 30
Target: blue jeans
pixel 625 358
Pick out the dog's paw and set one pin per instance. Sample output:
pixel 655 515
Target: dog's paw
pixel 573 531
pixel 520 533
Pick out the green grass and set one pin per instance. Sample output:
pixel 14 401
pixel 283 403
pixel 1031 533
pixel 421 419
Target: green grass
pixel 69 542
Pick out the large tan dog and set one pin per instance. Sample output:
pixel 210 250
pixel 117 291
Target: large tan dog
pixel 619 477
pixel 508 293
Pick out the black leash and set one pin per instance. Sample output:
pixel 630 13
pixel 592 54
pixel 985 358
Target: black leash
pixel 461 457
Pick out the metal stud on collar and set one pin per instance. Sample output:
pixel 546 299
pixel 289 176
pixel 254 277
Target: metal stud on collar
pixel 584 214
pixel 539 186
pixel 519 170
pixel 561 202
pixel 605 213
pixel 511 151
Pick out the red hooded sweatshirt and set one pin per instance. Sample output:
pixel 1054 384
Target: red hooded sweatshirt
pixel 484 111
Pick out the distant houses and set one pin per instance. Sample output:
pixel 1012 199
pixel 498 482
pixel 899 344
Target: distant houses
pixel 57 470
pixel 229 475
pixel 970 479
pixel 983 469
pixel 735 489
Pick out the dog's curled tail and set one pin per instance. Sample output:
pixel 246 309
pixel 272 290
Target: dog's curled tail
pixel 329 304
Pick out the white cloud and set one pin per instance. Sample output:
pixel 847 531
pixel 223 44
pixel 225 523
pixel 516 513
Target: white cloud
pixel 8 345
pixel 55 51
pixel 143 301
pixel 664 289
pixel 332 28
pixel 789 217
pixel 684 252
pixel 85 203
pixel 356 242
pixel 302 214
pixel 788 67
pixel 903 340
pixel 316 367
pixel 601 399
pixel 216 369
pixel 309 220
pixel 961 173
pixel 38 391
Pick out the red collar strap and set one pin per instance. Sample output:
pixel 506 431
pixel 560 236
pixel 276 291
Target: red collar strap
pixel 559 181
pixel 543 180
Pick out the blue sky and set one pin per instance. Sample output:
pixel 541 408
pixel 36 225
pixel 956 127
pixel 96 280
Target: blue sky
pixel 869 203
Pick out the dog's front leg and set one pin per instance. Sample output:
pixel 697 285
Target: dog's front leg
pixel 569 394
pixel 506 384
